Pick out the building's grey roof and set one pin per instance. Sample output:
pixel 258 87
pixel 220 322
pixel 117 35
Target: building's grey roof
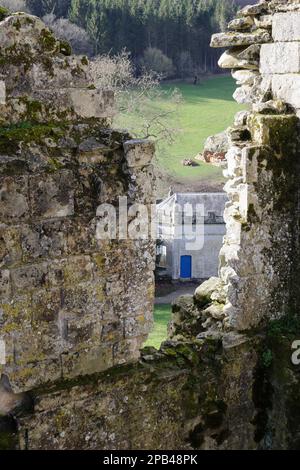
pixel 212 202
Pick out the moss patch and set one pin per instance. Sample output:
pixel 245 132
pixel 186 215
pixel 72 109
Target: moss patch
pixel 11 137
pixel 8 433
pixel 48 40
pixel 4 12
pixel 288 326
pixel 65 48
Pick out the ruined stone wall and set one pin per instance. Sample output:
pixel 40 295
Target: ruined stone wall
pixel 259 260
pixel 224 379
pixel 189 395
pixel 72 303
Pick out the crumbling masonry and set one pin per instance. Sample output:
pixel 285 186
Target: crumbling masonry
pixel 75 309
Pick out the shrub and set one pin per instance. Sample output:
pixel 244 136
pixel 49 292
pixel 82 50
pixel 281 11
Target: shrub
pixel 15 5
pixel 154 60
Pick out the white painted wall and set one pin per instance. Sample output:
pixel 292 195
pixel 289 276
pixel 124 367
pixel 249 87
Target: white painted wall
pixel 205 260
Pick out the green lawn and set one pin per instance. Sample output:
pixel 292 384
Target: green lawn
pixel 162 316
pixel 207 109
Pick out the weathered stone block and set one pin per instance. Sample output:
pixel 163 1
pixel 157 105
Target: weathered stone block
pixel 52 195
pixel 233 59
pixel 233 226
pixel 30 277
pixel 233 162
pixel 79 330
pixel 240 24
pixel 245 77
pixel 5 286
pixel 15 313
pixel 271 58
pixel 35 344
pixel 10 245
pixel 264 21
pixel 139 325
pixel 92 103
pixel 70 272
pixel 127 350
pixel 54 239
pixel 278 131
pixel 254 10
pixel 139 153
pixel 112 332
pixel 271 107
pixel 231 39
pixel 244 94
pixel 286 27
pixel 46 239
pixel 240 119
pixel 10 164
pixel 251 293
pixel 34 374
pixel 46 305
pixel 141 187
pixel 249 164
pixel 85 362
pixel 287 88
pixel 39 39
pixel 217 143
pixel 91 151
pixel 14 202
pixel 204 292
pixel 2 92
pixel 2 354
pixel 250 54
pixel 80 236
pixel 84 298
pixel 66 72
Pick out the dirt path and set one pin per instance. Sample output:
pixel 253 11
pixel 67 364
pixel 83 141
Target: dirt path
pixel 181 290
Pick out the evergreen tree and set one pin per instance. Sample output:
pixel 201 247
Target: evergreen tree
pixel 42 7
pixel 175 27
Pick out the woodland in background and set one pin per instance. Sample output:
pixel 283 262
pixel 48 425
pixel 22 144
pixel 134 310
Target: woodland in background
pixel 134 44
pixel 178 29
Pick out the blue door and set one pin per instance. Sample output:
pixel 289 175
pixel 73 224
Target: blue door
pixel 186 267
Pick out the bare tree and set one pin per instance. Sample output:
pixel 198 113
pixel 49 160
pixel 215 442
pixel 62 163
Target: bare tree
pixel 15 5
pixel 64 29
pixel 147 110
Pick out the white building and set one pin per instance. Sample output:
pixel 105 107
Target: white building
pixel 190 233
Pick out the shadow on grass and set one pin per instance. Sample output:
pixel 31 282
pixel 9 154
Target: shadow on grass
pixel 159 333
pixel 213 89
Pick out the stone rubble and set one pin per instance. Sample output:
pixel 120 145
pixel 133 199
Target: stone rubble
pixel 215 148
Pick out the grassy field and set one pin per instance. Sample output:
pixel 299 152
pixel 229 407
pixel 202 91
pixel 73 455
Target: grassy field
pixel 162 316
pixel 208 108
